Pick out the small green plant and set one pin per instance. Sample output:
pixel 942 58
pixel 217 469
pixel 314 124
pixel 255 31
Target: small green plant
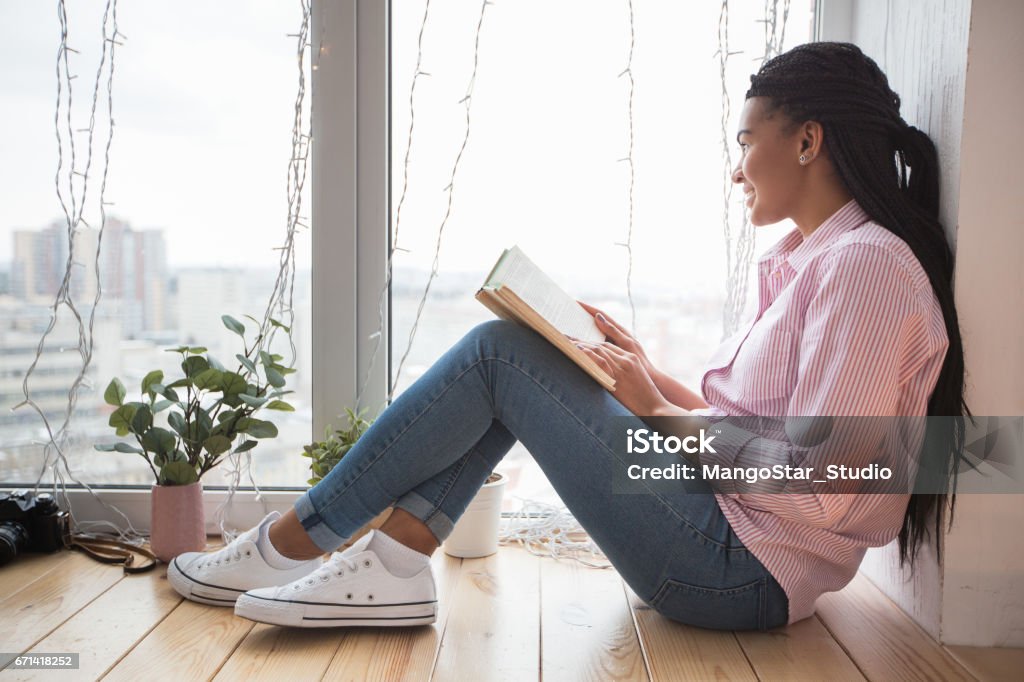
pixel 208 409
pixel 327 453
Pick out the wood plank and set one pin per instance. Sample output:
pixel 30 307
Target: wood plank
pixel 36 610
pixel 674 651
pixel 271 652
pixel 990 664
pixel 28 568
pixel 399 653
pixel 804 650
pixel 493 630
pixel 884 642
pixel 191 643
pixel 587 630
pixel 108 627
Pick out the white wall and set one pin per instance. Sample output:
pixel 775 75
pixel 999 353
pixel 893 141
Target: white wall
pixel 955 65
pixel 983 582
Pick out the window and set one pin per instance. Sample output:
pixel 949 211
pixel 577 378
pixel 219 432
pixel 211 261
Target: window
pixel 203 103
pixel 550 122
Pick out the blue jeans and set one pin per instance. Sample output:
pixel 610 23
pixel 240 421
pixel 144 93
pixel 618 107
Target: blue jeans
pixel 433 448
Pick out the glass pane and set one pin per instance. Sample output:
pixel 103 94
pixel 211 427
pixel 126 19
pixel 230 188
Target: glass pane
pixel 203 100
pixel 542 168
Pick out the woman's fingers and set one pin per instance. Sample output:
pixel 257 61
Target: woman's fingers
pixel 601 360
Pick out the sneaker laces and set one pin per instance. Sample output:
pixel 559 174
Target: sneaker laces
pixel 337 565
pixel 226 554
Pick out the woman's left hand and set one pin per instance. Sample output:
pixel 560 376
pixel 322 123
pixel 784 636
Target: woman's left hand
pixel 634 387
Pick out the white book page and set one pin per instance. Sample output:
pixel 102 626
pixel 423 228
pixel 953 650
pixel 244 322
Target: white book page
pixel 540 292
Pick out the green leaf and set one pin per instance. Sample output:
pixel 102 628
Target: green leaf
pixel 258 323
pixel 208 380
pixel 109 447
pixel 233 324
pixel 196 350
pixel 154 377
pixel 158 440
pixel 246 446
pixel 278 394
pixel 177 422
pixel 278 324
pixel 162 405
pixel 193 365
pixel 233 383
pixel 280 405
pixel 246 362
pixel 266 358
pixel 178 473
pixel 180 383
pixel 287 370
pixel 274 377
pixel 252 400
pixel 216 445
pixel 121 419
pixel 214 362
pixel 257 428
pixel 115 393
pixel 224 416
pixel 143 419
pixel 130 449
pixel 179 349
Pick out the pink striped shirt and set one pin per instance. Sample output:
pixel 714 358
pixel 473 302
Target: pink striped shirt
pixel 847 325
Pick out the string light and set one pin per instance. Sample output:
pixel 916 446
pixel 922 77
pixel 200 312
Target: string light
pixel 281 301
pixel 73 205
pixel 450 189
pixel 628 245
pixel 377 336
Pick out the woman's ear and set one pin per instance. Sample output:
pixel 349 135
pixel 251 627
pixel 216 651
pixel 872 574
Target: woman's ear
pixel 811 140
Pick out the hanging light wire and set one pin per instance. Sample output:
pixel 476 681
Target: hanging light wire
pixel 73 202
pixel 382 295
pixel 280 304
pixel 450 189
pixel 628 244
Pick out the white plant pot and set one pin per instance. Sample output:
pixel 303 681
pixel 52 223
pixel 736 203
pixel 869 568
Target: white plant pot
pixel 476 532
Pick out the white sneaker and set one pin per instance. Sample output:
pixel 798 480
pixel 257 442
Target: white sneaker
pixel 352 588
pixel 218 578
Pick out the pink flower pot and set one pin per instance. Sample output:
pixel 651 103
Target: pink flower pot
pixel 178 523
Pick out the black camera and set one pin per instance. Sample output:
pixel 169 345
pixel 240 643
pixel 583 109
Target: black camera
pixel 31 523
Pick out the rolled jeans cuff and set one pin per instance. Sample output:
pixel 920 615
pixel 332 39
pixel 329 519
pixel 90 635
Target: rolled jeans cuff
pixel 314 525
pixel 433 518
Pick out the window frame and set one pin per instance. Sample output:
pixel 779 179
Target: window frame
pixel 351 238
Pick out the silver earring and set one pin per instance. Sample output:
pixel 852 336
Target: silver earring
pixel 803 158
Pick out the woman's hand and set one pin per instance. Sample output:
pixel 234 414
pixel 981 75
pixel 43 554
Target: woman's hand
pixel 617 334
pixel 634 387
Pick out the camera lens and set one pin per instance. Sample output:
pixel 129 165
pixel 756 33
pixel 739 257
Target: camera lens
pixel 13 536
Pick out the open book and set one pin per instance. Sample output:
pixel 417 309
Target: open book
pixel 519 291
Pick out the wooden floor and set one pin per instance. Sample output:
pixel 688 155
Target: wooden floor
pixel 510 616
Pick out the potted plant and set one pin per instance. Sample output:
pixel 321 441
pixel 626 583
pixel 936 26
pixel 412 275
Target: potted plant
pixel 476 532
pixel 326 453
pixel 207 410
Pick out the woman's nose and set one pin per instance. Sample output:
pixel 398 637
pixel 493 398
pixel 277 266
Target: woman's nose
pixel 737 174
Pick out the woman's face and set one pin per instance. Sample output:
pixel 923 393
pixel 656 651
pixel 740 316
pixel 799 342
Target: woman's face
pixel 769 168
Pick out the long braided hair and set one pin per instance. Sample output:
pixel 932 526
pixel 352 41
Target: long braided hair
pixel 872 148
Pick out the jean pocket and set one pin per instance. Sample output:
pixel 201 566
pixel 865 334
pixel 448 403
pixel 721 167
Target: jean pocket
pixel 732 608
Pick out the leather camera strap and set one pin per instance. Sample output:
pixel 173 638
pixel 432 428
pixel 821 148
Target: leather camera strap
pixel 115 552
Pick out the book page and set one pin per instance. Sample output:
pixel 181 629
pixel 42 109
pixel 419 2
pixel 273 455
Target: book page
pixel 541 293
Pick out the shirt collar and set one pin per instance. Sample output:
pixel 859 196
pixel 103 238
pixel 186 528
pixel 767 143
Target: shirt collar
pixel 797 251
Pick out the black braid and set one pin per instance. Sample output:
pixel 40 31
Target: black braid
pixel 892 171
